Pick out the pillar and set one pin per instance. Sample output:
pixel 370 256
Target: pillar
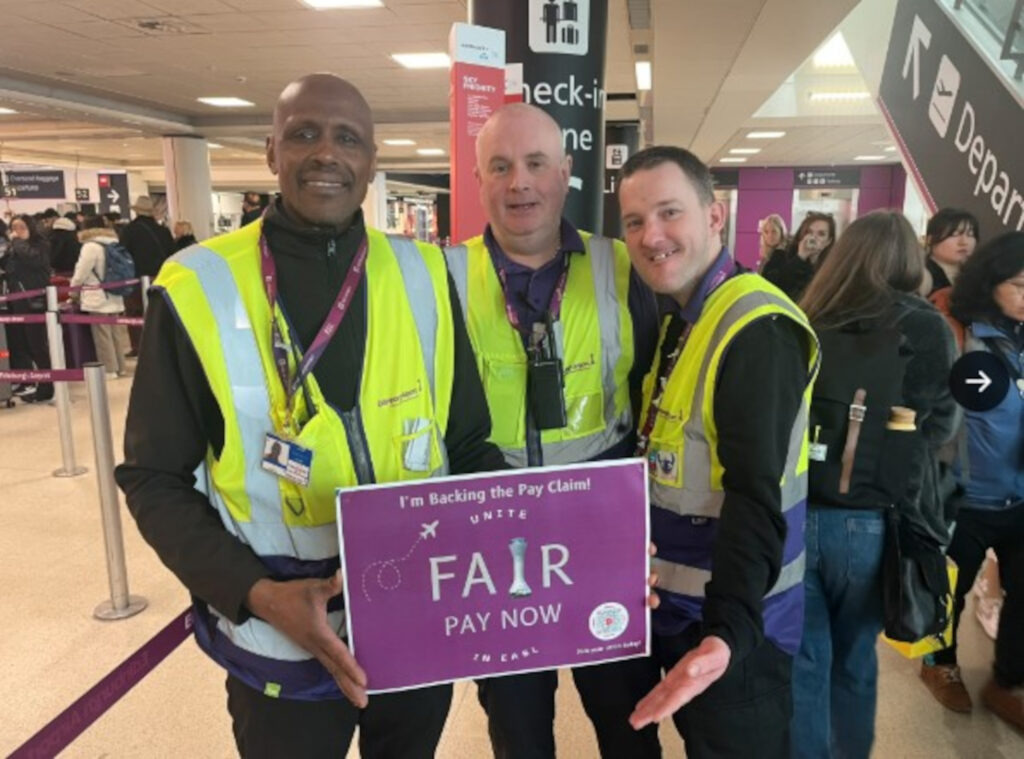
pixel 189 189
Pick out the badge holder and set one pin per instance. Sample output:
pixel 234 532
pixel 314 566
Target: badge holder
pixel 282 455
pixel 545 380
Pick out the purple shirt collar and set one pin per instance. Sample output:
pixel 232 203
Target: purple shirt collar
pixel 722 265
pixel 572 242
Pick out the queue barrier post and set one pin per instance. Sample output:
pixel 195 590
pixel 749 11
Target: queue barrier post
pixel 61 394
pixel 145 284
pixel 121 604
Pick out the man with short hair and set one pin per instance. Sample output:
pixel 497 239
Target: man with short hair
pixel 252 209
pixel 149 241
pixel 724 429
pixel 290 331
pixel 563 332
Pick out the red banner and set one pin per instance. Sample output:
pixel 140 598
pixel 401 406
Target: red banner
pixel 477 91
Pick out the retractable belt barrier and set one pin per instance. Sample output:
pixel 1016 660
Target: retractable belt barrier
pixel 59 732
pixel 42 375
pixel 65 289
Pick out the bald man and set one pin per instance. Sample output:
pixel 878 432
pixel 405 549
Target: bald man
pixel 230 321
pixel 564 332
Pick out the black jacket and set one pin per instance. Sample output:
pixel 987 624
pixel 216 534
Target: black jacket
pixel 64 250
pixel 173 418
pixel 149 243
pixel 788 272
pixel 26 266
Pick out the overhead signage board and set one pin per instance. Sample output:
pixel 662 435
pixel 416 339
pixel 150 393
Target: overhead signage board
pixel 34 185
pixel 113 193
pixel 821 178
pixel 958 123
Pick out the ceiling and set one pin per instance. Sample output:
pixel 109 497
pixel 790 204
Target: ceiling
pixel 97 82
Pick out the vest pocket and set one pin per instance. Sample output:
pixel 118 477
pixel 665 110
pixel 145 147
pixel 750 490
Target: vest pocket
pixel 585 414
pixel 505 387
pixel 313 506
pixel 665 462
pixel 417 449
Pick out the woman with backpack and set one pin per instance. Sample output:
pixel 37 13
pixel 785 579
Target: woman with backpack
pixel 111 340
pixel 988 296
pixel 882 347
pixel 26 266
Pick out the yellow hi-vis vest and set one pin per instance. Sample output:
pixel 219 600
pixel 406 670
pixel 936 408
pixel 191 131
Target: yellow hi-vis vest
pixel 595 341
pixel 685 474
pixel 395 432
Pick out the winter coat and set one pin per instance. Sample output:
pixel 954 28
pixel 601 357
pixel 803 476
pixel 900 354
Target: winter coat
pixel 91 266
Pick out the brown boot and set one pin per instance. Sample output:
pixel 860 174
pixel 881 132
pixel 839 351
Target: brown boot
pixel 945 683
pixel 1005 703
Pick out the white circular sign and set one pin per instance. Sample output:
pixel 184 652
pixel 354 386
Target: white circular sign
pixel 608 621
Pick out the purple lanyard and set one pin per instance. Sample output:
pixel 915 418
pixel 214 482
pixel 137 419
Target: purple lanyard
pixel 327 330
pixel 661 381
pixel 554 306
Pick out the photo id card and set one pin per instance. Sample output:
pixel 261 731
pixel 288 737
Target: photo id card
pixel 287 459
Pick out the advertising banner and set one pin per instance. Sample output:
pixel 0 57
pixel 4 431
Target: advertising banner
pixel 958 124
pixel 496 574
pixel 561 45
pixel 477 91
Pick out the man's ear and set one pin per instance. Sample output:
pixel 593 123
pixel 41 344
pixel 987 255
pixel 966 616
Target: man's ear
pixel 271 155
pixel 717 214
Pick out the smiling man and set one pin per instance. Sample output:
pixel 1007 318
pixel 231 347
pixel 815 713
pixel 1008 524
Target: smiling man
pixel 724 427
pixel 284 336
pixel 563 332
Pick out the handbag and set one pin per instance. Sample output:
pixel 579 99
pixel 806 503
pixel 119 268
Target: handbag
pixel 915 584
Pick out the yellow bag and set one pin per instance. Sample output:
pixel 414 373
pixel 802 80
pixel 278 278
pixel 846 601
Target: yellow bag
pixel 932 643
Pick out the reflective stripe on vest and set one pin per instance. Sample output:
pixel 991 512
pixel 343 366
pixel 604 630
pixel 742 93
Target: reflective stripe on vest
pixel 216 292
pixel 686 476
pixel 595 315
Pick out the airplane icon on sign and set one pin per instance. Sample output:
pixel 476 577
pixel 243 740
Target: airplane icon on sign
pixel 429 530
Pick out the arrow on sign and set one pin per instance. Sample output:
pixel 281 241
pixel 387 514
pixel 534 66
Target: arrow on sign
pixel 982 382
pixel 920 37
pixel 113 196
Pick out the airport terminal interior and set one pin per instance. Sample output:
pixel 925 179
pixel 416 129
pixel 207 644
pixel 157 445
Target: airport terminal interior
pixel 164 106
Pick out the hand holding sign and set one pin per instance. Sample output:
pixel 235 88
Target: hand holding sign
pixel 298 608
pixel 692 675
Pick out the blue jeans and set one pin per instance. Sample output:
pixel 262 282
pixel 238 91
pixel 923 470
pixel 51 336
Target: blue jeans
pixel 837 665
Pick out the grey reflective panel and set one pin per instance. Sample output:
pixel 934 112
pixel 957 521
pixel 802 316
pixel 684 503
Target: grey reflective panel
pixel 419 289
pixel 458 266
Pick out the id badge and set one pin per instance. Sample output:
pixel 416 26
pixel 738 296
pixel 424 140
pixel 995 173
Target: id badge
pixel 817 451
pixel 287 459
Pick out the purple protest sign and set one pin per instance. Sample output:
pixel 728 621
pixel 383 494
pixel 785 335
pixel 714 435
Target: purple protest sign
pixel 496 573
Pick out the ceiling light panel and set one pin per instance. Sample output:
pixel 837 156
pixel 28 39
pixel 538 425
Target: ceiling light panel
pixel 430 151
pixel 745 151
pixel 729 159
pixel 839 97
pixel 226 102
pixel 399 143
pixel 326 5
pixel 869 158
pixel 643 75
pixel 423 60
pixel 766 135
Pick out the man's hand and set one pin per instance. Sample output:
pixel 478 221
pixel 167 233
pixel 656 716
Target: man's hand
pixel 691 676
pixel 298 608
pixel 653 599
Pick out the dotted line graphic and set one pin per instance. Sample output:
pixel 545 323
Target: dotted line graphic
pixel 387 569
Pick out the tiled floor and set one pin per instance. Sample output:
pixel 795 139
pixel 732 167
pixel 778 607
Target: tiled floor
pixel 52 650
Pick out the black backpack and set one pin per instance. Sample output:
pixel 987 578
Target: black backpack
pixel 868 359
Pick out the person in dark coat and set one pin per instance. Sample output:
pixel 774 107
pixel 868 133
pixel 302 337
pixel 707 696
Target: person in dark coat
pixel 26 266
pixel 149 242
pixel 64 246
pixel 791 270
